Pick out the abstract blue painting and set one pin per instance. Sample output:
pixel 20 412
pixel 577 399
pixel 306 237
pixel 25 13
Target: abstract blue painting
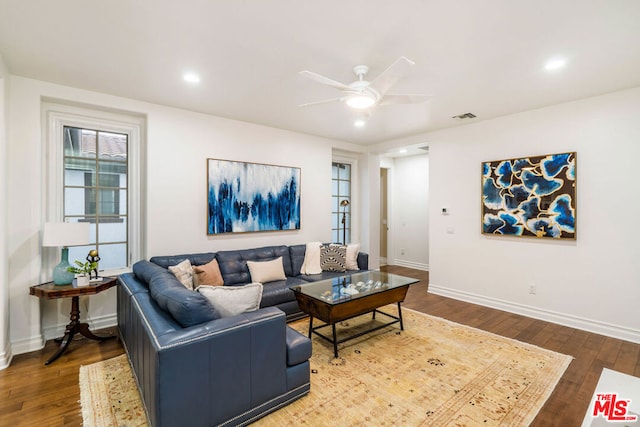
pixel 530 196
pixel 244 197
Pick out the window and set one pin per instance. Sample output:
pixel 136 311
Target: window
pixel 95 188
pixel 341 202
pixel 94 170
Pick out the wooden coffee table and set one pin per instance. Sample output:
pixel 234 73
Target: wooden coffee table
pixel 341 298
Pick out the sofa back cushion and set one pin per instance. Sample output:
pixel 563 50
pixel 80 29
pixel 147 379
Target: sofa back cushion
pixel 194 259
pixel 233 264
pixel 297 258
pixel 187 307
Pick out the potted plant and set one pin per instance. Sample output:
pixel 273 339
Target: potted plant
pixel 83 271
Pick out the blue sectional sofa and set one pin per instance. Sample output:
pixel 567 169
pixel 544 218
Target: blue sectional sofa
pixel 194 369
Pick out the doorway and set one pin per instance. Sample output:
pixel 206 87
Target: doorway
pixel 384 221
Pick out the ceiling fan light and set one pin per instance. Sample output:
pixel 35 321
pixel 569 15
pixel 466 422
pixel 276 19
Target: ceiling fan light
pixel 360 102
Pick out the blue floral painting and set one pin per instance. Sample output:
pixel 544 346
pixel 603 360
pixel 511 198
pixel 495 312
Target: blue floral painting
pixel 244 197
pixel 531 196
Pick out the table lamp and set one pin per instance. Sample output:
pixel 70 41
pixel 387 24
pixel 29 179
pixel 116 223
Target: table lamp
pixel 64 234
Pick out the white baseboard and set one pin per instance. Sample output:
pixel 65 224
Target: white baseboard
pixel 28 344
pixel 595 326
pixel 95 323
pixel 411 264
pixel 5 357
pixel 383 260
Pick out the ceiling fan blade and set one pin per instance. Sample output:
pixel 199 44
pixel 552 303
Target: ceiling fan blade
pixel 324 101
pixel 323 80
pixel 391 99
pixel 390 76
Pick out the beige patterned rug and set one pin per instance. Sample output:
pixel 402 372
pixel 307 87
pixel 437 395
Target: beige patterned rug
pixel 434 373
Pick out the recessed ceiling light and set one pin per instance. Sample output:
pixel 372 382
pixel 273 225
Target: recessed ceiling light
pixel 402 150
pixel 555 64
pixel 191 77
pixel 359 123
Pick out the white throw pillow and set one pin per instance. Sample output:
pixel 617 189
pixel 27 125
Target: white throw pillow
pixel 311 263
pixel 352 256
pixel 266 271
pixel 232 300
pixel 184 273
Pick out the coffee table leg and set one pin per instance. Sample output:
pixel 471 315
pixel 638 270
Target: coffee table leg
pixel 310 325
pixel 335 341
pixel 400 316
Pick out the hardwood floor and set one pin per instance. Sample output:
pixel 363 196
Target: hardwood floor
pixel 570 399
pixel 34 394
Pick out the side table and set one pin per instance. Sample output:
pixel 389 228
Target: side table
pixel 51 291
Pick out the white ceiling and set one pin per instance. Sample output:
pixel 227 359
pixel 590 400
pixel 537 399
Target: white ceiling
pixel 480 56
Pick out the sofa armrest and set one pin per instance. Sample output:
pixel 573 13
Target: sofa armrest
pixel 298 347
pixel 205 370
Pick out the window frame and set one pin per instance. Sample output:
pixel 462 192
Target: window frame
pixel 58 115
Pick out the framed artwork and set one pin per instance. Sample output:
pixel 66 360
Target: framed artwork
pixel 245 197
pixel 530 196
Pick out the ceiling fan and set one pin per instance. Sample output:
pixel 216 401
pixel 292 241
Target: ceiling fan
pixel 362 94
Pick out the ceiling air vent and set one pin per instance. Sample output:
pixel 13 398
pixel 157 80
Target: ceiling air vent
pixel 464 116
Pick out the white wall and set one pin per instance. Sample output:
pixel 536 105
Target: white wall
pixel 5 347
pixel 409 204
pixel 593 282
pixel 178 144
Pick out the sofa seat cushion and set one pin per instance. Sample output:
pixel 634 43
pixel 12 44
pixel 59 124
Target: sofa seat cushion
pixel 298 347
pixel 187 307
pixel 274 293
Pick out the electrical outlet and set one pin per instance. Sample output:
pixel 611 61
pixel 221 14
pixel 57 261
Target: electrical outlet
pixel 402 251
pixel 532 289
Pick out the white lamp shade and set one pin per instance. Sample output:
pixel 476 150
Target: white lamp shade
pixel 360 102
pixel 65 234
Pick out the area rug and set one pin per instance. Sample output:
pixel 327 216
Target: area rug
pixel 434 373
pixel 109 396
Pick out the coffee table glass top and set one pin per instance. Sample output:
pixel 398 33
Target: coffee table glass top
pixel 352 286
